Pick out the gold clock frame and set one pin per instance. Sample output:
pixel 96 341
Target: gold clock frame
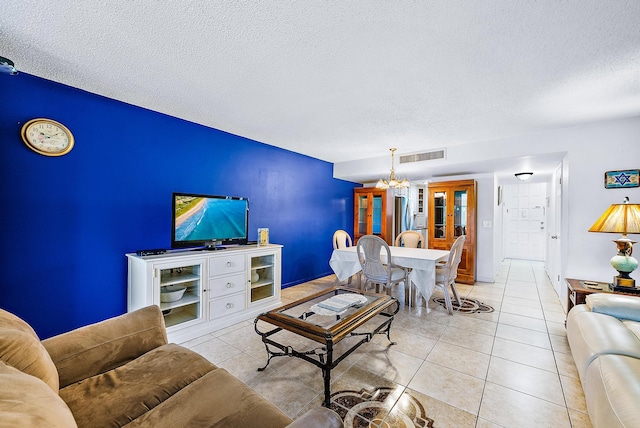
pixel 23 134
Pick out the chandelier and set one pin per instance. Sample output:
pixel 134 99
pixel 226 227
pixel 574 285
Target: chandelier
pixel 392 182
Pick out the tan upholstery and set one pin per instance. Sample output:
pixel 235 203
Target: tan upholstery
pixel 122 372
pixel 21 348
pixel 606 350
pixel 216 406
pixel 141 385
pixel 28 402
pixel 100 347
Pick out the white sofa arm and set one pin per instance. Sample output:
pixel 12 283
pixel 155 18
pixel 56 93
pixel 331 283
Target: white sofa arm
pixel 616 305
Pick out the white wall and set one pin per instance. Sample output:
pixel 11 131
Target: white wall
pixel 591 150
pixel 498 224
pixel 485 242
pixel 605 147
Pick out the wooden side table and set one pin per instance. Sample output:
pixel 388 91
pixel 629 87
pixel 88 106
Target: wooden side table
pixel 578 291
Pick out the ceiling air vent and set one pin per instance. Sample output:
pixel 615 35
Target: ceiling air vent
pixel 419 157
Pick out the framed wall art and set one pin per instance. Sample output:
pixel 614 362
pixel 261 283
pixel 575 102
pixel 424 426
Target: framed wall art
pixel 622 179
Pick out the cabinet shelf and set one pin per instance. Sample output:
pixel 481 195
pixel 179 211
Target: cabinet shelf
pixel 261 283
pixel 177 278
pixel 187 299
pixel 261 293
pixel 181 315
pixel 262 266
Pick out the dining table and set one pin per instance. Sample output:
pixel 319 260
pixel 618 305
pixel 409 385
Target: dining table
pixel 422 262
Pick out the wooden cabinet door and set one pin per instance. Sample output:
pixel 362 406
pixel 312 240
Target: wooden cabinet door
pixel 373 213
pixel 452 212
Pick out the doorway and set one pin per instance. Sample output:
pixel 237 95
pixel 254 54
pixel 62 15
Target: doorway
pixel 524 225
pixel 554 260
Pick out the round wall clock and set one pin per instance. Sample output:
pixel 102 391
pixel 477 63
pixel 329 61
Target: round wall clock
pixel 47 137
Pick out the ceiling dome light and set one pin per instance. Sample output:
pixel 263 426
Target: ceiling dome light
pixel 523 176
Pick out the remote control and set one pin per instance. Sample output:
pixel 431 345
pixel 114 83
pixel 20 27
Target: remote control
pixel 153 252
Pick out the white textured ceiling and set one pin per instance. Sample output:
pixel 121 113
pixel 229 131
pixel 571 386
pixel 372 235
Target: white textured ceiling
pixel 343 80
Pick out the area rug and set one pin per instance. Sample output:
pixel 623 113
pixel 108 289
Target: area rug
pixel 366 408
pixel 467 306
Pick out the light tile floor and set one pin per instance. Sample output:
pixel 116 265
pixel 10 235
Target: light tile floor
pixel 508 368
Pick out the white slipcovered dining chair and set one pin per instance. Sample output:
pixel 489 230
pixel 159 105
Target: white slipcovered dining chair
pixel 410 239
pixel 446 274
pixel 341 239
pixel 370 250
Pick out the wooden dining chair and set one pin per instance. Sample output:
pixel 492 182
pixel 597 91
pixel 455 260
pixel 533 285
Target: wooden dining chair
pixel 446 274
pixel 370 249
pixel 410 239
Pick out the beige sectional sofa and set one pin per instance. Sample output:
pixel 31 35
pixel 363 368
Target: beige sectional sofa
pixel 604 335
pixel 122 372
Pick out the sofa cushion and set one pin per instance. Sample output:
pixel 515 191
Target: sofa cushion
pixel 103 346
pixel 612 390
pixel 121 395
pixel 616 305
pixel 633 326
pixel 21 348
pixel 11 321
pixel 26 401
pixel 591 334
pixel 223 402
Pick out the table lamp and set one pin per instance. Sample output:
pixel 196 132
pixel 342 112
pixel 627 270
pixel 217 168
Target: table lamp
pixel 621 218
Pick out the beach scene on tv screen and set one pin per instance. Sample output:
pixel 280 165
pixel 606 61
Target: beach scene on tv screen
pixel 199 218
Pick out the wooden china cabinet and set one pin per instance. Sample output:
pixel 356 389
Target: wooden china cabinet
pixel 373 213
pixel 452 212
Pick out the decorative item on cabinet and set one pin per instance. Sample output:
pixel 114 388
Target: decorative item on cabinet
pixel 452 212
pixel 263 236
pixel 373 213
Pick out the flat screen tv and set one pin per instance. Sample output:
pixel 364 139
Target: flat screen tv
pixel 208 220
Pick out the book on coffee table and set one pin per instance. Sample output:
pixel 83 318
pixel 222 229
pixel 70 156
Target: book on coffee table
pixel 341 302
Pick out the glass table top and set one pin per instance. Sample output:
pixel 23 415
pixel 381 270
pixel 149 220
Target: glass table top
pixel 330 313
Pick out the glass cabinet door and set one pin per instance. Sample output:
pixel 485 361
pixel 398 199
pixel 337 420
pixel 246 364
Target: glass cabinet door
pixel 459 213
pixel 440 214
pixel 376 215
pixel 363 204
pixel 179 291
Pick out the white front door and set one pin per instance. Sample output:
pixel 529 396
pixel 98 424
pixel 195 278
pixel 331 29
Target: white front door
pixel 524 223
pixel 554 261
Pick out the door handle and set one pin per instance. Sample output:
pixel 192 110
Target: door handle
pixel 554 236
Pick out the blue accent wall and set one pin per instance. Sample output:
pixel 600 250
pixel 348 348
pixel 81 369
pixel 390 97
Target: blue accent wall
pixel 68 221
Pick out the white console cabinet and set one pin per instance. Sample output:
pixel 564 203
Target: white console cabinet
pixel 223 287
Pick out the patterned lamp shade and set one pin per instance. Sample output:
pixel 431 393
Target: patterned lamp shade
pixel 623 219
pixel 619 218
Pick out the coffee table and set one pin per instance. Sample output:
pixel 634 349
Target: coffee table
pixel 327 322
